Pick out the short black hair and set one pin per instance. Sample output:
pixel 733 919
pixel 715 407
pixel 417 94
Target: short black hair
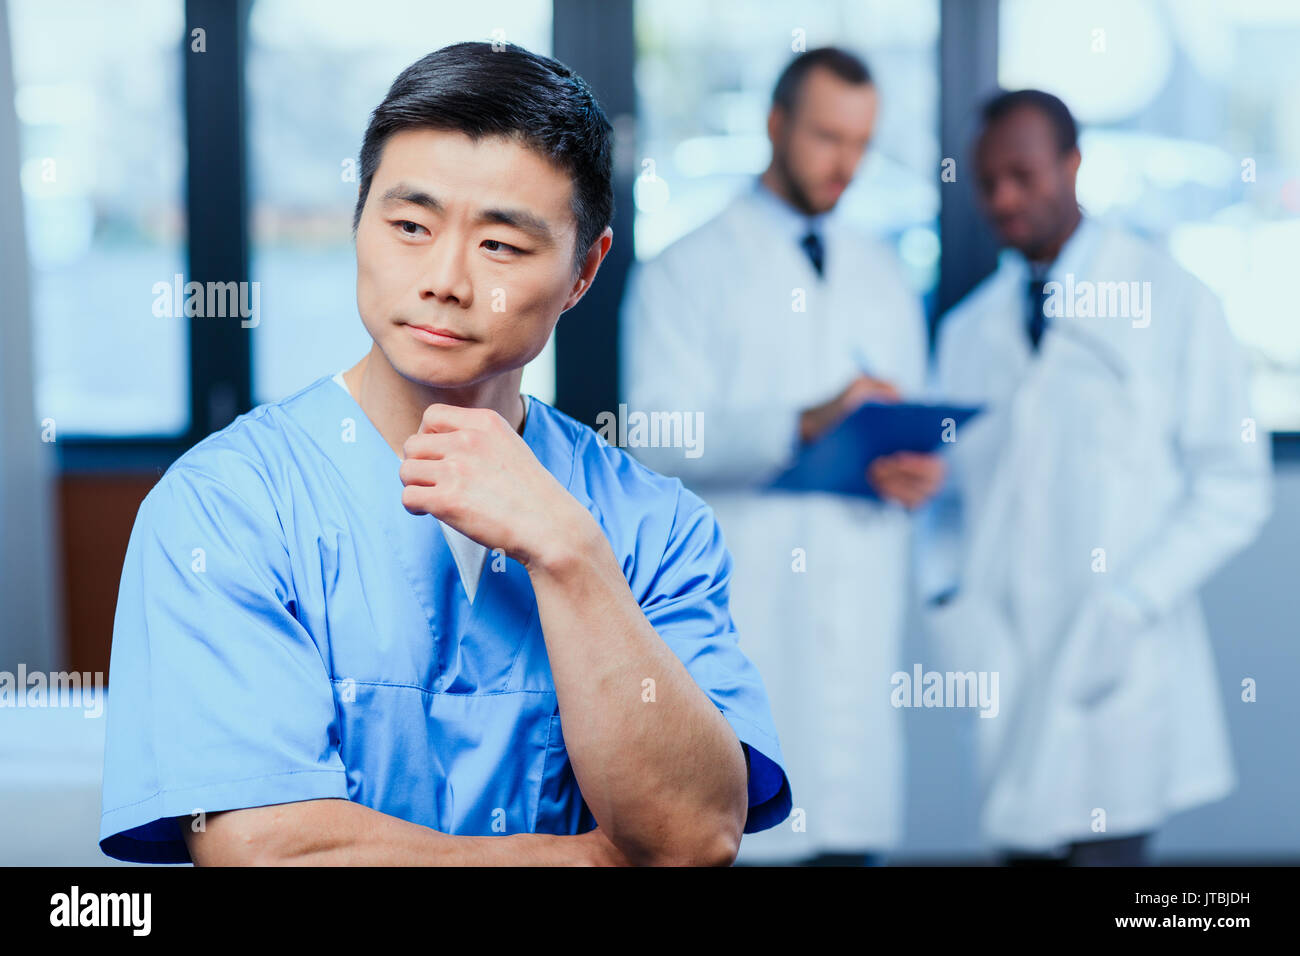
pixel 485 89
pixel 1057 113
pixel 842 63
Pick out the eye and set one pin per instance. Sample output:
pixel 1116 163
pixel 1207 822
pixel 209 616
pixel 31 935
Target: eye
pixel 402 225
pixel 495 245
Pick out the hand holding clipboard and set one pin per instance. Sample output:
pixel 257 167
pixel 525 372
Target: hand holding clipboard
pixel 837 462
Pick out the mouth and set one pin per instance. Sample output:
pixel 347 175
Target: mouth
pixel 1010 224
pixel 436 336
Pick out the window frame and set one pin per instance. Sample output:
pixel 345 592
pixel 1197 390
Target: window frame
pixel 216 205
pixel 597 39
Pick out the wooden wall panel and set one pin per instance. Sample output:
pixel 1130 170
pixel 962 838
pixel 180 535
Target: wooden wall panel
pixel 96 513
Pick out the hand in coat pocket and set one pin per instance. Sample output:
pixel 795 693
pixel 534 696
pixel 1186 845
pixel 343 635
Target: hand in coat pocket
pixel 1099 648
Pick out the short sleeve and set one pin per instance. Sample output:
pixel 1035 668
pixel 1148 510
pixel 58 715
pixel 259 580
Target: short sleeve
pixel 688 606
pixel 219 699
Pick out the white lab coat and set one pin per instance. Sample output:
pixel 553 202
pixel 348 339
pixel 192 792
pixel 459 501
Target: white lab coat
pixel 1120 448
pixel 710 326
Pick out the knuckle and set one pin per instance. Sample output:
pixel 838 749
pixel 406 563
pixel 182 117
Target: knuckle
pixel 432 414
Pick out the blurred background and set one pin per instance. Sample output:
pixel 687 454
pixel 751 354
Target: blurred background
pixel 128 155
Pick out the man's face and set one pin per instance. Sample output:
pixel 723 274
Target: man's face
pixel 819 145
pixel 464 255
pixel 1026 184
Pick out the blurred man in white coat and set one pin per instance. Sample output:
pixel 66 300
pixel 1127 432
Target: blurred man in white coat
pixel 1116 468
pixel 774 321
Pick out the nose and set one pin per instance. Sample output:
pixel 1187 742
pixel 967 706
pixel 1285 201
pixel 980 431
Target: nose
pixel 1002 197
pixel 848 160
pixel 445 277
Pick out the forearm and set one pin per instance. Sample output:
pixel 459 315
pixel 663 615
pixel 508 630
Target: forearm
pixel 336 832
pixel 657 763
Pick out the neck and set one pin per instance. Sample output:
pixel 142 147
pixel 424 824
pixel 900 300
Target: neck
pixel 1047 253
pixel 396 405
pixel 780 185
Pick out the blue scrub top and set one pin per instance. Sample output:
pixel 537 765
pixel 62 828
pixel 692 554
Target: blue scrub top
pixel 286 631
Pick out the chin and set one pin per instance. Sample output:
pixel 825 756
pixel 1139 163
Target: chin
pixel 436 374
pixel 423 366
pixel 1015 241
pixel 829 200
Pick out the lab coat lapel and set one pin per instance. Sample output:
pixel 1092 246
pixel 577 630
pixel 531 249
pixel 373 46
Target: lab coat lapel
pixel 1001 433
pixel 755 230
pixel 781 350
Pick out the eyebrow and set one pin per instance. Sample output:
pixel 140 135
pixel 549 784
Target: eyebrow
pixel 521 219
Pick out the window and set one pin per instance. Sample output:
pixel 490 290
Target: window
pixel 315 71
pixel 98 98
pixel 1190 133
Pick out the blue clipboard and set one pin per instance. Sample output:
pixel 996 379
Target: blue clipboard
pixel 837 462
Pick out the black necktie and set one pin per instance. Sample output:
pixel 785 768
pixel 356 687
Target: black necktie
pixel 1036 292
pixel 812 244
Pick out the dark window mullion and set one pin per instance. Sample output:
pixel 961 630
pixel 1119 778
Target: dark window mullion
pixel 217 204
pixel 596 39
pixel 968 72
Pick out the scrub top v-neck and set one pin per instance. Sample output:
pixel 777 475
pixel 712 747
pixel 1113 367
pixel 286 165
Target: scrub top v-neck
pixel 468 553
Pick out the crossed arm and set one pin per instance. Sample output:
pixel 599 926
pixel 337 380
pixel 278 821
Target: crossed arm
pixel 337 832
pixel 665 781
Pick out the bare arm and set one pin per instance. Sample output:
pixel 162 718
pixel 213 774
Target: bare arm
pixel 341 833
pixel 666 778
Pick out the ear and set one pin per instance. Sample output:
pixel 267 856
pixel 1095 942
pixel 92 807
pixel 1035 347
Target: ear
pixel 775 125
pixel 595 256
pixel 1072 161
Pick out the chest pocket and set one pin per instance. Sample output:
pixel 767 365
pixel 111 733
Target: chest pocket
pixel 446 715
pixel 467 764
pixel 494 645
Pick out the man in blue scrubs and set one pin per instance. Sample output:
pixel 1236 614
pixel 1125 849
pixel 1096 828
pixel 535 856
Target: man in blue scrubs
pixel 409 616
